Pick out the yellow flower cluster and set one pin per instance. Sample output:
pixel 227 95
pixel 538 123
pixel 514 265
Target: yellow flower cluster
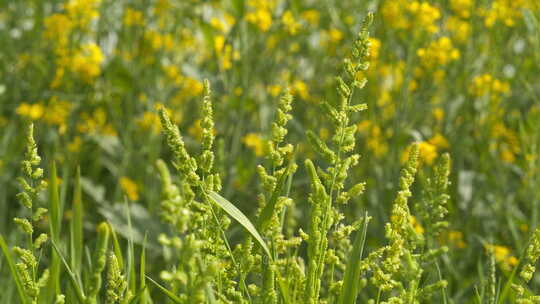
pixel 486 84
pixel 428 150
pixel 290 23
pixel 133 17
pixel 150 121
pixel 255 142
pixel 405 15
pixel 86 62
pixel 438 53
pixel 376 140
pixel 96 123
pixel 505 142
pixel 503 256
pixel 260 14
pixel 83 61
pixel 453 238
pixel 30 111
pixel 130 188
pixel 462 8
pixel 82 12
pixel 54 113
pixel 459 28
pixel 225 52
pixel 158 41
pixel 505 11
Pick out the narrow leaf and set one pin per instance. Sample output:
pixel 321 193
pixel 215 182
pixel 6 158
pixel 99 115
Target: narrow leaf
pixel 169 294
pixel 14 273
pixel 349 290
pixel 72 277
pixel 239 217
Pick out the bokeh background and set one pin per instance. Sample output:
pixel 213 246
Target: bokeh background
pixel 458 76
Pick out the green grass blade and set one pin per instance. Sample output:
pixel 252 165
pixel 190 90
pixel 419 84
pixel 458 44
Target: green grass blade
pixel 72 277
pixel 142 270
pixel 138 296
pixel 240 218
pixel 268 210
pixel 77 237
pixel 14 273
pixel 116 248
pixel 169 294
pixel 349 290
pixel 54 228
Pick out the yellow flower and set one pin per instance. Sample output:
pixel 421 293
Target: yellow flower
pixel 439 142
pixel 150 121
pixel 438 114
pixel 300 88
pixel 75 145
pixel 454 238
pixel 255 142
pixel 274 90
pixel 261 18
pixel 438 53
pixel 417 227
pixel 312 17
pixel 87 62
pixel 503 256
pixel 335 35
pixel 219 42
pixel 486 84
pixel 505 11
pixel 428 153
pixel 82 11
pixel 32 111
pixel 133 17
pixel 57 28
pixel 460 29
pixel 130 188
pixel 461 7
pixel 290 23
pixel 57 113
pixel 404 15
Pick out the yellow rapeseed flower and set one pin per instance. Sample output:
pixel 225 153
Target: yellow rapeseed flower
pixel 130 188
pixel 462 8
pixel 290 23
pixel 255 142
pixel 133 17
pixel 87 62
pixel 31 111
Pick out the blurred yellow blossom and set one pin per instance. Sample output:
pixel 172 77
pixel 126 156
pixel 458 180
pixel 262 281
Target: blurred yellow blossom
pixel 130 188
pixel 74 146
pixel 403 14
pixel 290 23
pixel 505 11
pixel 260 14
pixel 485 84
pixel 31 111
pixel 462 8
pixel 460 29
pixel 300 89
pixel 438 53
pixel 503 256
pixel 57 113
pixel 82 12
pixel 255 142
pixel 150 121
pixel 133 17
pixel 87 62
pixel 438 114
pixel 439 142
pixel 427 152
pixel 312 17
